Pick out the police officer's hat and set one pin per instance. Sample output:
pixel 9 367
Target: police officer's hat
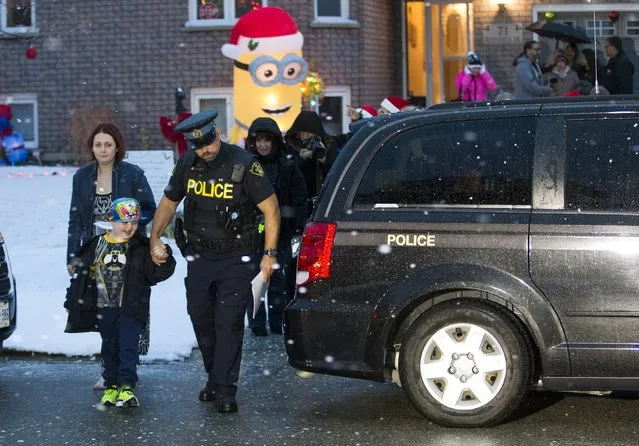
pixel 199 129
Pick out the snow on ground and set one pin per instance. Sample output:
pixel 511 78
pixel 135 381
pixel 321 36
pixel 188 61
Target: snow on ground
pixel 33 219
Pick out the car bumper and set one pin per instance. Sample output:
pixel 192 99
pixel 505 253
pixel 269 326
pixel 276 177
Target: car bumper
pixel 5 332
pixel 324 336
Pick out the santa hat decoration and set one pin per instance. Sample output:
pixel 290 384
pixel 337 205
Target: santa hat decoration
pixel 473 60
pixel 263 31
pixel 394 104
pixel 367 111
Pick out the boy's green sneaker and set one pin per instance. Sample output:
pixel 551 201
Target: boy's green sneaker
pixel 127 398
pixel 110 396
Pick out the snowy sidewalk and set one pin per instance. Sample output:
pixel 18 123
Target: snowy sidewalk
pixel 33 220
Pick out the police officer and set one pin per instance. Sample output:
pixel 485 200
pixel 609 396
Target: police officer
pixel 221 184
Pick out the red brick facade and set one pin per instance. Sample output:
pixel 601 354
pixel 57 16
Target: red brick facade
pixel 126 58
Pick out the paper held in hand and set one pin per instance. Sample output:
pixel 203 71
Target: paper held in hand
pixel 259 291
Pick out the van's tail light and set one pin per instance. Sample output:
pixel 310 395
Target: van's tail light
pixel 314 260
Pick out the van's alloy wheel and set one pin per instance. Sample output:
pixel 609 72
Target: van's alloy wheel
pixel 463 366
pixel 465 363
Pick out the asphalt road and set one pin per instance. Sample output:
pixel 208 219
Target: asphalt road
pixel 50 401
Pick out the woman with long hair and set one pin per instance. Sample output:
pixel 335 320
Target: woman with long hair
pixel 96 186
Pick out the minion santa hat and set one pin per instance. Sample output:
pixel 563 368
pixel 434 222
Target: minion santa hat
pixel 264 31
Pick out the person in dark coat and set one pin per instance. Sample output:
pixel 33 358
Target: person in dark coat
pixel 618 75
pixel 266 142
pixel 95 187
pixel 110 292
pixel 313 148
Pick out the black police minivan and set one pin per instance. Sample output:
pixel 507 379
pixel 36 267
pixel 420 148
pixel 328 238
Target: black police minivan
pixel 8 299
pixel 471 252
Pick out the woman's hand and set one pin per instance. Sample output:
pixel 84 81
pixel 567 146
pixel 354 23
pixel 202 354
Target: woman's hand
pixel 306 154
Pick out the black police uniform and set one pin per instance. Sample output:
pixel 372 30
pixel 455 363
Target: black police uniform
pixel 219 219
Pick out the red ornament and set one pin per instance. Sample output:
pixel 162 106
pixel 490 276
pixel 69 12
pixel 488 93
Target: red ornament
pixel 613 16
pixel 31 53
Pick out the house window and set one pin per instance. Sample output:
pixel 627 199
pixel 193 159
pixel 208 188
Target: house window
pixel 331 9
pixel 24 110
pixel 17 16
pixel 220 99
pixel 212 12
pixel 600 28
pixel 632 28
pixel 333 110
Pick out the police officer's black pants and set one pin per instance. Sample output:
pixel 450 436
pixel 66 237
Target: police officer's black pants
pixel 276 297
pixel 218 290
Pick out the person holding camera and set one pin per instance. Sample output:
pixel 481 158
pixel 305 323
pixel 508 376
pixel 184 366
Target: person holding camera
pixel 265 141
pixel 314 150
pixel 562 79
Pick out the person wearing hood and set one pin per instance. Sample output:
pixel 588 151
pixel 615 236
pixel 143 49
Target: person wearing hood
pixel 528 78
pixel 314 150
pixel 474 81
pixel 562 77
pixel 266 142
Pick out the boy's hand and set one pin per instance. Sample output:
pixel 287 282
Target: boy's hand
pixel 159 253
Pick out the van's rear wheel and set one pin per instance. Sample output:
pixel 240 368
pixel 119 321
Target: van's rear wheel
pixel 465 364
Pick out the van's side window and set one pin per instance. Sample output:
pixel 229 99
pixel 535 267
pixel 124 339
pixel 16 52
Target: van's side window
pixel 602 165
pixel 467 163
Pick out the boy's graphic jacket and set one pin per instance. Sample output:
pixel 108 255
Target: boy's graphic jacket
pixel 140 274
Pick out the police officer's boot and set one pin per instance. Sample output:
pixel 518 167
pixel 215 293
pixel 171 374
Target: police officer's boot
pixel 259 331
pixel 225 403
pixel 206 395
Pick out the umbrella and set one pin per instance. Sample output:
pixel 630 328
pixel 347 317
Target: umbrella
pixel 559 31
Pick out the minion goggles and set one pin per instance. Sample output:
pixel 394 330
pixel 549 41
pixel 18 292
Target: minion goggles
pixel 267 71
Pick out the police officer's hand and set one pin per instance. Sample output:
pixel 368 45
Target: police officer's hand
pixel 159 253
pixel 267 266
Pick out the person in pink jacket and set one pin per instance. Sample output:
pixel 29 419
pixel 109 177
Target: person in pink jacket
pixel 474 82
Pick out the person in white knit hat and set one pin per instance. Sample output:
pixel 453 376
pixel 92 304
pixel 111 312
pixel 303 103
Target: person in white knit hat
pixel 474 81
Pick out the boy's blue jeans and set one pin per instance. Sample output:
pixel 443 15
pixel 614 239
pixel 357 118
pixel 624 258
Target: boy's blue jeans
pixel 120 337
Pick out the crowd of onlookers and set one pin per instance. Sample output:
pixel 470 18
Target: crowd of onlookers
pixel 570 72
pixel 567 72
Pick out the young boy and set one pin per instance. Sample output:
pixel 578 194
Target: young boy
pixel 111 290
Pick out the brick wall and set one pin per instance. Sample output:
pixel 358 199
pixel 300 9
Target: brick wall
pixel 127 57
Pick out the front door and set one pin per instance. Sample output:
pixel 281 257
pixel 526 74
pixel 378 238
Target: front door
pixel 438 37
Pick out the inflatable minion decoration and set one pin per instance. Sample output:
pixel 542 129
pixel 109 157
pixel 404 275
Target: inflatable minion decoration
pixel 267 49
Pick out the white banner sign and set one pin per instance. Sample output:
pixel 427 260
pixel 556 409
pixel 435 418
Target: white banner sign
pixel 157 166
